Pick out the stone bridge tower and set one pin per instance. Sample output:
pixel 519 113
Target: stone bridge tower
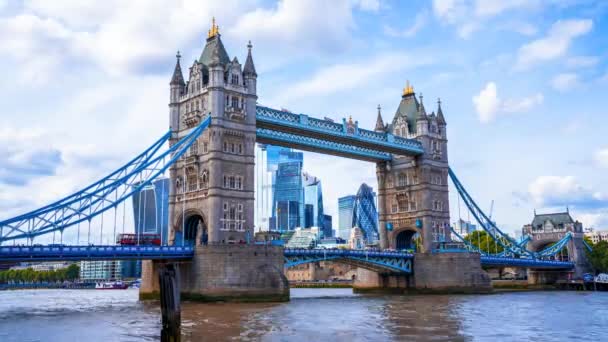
pixel 212 193
pixel 211 198
pixel 413 191
pixel 547 229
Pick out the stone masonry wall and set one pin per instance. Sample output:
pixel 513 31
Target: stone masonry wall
pixel 235 273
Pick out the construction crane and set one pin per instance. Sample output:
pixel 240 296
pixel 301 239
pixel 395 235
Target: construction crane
pixel 491 210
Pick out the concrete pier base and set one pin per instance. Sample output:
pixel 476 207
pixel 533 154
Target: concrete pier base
pixel 547 277
pixel 241 273
pixel 433 273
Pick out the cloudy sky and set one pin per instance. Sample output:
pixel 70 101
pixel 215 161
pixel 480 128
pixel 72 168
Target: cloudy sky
pixel 523 84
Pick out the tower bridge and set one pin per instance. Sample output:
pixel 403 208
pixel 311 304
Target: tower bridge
pixel 214 124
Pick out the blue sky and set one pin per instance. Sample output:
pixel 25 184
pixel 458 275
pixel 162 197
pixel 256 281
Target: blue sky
pixel 523 84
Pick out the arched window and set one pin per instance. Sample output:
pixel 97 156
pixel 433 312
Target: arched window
pixel 402 202
pixel 205 180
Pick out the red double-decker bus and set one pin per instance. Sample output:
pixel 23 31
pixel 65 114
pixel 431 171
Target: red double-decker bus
pixel 141 239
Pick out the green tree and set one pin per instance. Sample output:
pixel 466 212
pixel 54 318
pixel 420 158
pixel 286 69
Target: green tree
pixel 482 240
pixel 72 272
pixel 598 257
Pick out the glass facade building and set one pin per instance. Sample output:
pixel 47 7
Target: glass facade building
pixel 151 209
pixel 327 226
pixel 150 216
pixel 365 214
pixel 287 197
pixel 288 204
pixel 345 216
pixel 267 165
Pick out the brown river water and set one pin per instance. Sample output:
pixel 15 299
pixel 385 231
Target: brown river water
pixel 311 315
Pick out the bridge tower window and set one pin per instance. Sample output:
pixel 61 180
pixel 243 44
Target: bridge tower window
pixel 402 202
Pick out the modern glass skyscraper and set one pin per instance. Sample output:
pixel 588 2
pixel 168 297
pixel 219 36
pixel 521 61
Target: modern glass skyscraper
pixel 288 204
pixel 150 216
pixel 365 215
pixel 268 160
pixel 345 216
pixel 286 197
pixel 151 209
pixel 313 196
pixel 327 226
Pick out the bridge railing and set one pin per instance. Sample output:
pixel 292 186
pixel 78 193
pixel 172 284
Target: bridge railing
pixel 304 122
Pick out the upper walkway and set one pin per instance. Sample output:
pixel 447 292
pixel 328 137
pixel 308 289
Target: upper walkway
pixel 345 139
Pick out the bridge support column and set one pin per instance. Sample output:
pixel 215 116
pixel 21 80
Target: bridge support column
pixel 370 281
pixel 433 273
pixel 546 277
pixel 450 273
pixel 241 273
pixel 150 286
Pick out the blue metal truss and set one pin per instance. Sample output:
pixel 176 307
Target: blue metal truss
pixel 493 261
pixel 390 261
pixel 270 136
pixel 497 235
pixel 59 253
pixel 283 121
pixel 102 195
pixel 510 246
pixel 587 246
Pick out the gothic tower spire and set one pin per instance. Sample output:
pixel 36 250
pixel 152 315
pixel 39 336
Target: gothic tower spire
pixel 249 68
pixel 440 118
pixel 178 77
pixel 379 123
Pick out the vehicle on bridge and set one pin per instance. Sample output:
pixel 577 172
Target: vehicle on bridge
pixel 138 239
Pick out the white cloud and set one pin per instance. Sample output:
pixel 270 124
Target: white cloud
pixel 554 45
pixel 598 219
pixel 369 5
pixel 487 102
pixel 113 34
pixel 553 191
pixel 25 38
pixel 495 7
pixel 471 16
pixel 419 22
pixel 523 104
pixel 307 26
pixel 347 76
pixel 489 105
pixel 601 157
pixel 565 82
pixel 582 61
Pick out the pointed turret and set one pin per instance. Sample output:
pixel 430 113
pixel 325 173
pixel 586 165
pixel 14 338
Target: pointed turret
pixel 249 68
pixel 440 118
pixel 379 123
pixel 178 77
pixel 214 52
pixel 421 111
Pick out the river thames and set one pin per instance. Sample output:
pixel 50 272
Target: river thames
pixel 311 315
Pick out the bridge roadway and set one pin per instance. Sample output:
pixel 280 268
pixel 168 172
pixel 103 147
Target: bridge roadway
pixel 387 260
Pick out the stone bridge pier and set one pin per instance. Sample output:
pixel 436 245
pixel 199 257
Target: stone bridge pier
pixel 432 273
pixel 244 273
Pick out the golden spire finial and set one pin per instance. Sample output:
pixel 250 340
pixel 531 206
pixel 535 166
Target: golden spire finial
pixel 214 30
pixel 409 89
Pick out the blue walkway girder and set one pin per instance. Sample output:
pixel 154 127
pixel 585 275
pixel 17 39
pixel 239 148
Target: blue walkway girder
pixel 397 262
pixel 272 137
pixel 75 253
pixel 341 133
pixel 490 261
